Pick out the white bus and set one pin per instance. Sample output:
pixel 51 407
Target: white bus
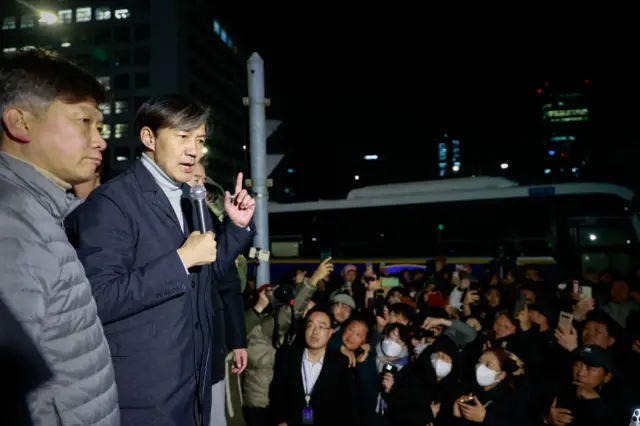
pixel 577 225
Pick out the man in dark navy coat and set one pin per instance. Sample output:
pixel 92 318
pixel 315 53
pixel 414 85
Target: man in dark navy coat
pixel 151 271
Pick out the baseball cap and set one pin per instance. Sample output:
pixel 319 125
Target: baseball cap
pixel 345 299
pixel 595 356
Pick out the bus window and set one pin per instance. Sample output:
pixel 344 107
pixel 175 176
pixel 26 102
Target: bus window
pixel 285 248
pixel 600 236
pixel 396 231
pixel 480 226
pixel 601 261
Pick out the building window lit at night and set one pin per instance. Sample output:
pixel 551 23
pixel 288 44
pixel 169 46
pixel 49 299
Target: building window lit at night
pixel 121 130
pixel 105 108
pixel 105 82
pixel 565 117
pixel 65 16
pixel 106 131
pixel 103 13
pixel 121 106
pixel 448 156
pixel 442 159
pixel 48 18
pixel 9 23
pixel 122 13
pixel 27 21
pixel 83 14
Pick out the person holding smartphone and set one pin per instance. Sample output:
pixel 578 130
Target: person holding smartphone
pixel 492 400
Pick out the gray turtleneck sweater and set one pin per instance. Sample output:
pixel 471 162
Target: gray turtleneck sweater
pixel 172 189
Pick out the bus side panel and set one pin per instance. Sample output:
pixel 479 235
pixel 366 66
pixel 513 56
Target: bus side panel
pixel 282 268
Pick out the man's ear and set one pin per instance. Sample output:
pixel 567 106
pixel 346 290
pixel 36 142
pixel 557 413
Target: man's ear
pixel 16 123
pixel 148 139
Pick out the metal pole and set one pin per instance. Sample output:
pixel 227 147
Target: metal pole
pixel 257 132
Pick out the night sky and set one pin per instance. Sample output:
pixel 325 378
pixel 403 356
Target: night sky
pixel 350 81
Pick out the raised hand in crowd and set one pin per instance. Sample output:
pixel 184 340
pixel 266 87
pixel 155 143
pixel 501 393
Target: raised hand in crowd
pixel 568 339
pixel 300 276
pixel 431 323
pixel 558 416
pixel 324 270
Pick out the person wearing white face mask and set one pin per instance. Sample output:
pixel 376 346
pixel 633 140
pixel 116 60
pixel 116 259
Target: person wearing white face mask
pixel 392 357
pixel 494 400
pixel 442 364
pixel 422 389
pixel 393 349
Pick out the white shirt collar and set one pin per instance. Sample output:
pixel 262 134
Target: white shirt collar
pixel 306 357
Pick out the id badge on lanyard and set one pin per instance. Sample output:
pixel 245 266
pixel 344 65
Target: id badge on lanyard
pixel 307 416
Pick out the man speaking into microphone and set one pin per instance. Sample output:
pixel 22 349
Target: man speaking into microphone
pixel 151 268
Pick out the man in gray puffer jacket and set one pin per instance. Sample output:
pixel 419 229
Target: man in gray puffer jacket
pixel 51 141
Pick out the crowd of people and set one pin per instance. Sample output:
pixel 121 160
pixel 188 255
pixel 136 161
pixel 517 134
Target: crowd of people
pixel 440 346
pixel 121 302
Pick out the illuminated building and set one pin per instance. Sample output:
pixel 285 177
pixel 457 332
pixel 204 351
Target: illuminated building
pixel 143 48
pixel 565 116
pixel 448 156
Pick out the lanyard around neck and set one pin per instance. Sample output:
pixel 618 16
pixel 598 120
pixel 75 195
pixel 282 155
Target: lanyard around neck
pixel 305 383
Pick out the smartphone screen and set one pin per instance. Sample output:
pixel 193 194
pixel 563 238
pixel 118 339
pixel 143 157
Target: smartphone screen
pixel 390 282
pixel 565 321
pixel 325 255
pixel 586 292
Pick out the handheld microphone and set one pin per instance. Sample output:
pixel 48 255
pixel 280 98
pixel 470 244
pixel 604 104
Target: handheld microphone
pixel 198 194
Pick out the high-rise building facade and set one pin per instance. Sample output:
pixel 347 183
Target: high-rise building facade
pixel 565 115
pixel 449 160
pixel 138 49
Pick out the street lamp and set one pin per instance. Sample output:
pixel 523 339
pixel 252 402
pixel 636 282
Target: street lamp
pixel 504 166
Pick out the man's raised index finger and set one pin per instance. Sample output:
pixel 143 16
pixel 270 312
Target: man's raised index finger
pixel 238 184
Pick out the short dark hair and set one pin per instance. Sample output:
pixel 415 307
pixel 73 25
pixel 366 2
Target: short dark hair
pixel 313 311
pixel 171 112
pixel 356 319
pixel 37 77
